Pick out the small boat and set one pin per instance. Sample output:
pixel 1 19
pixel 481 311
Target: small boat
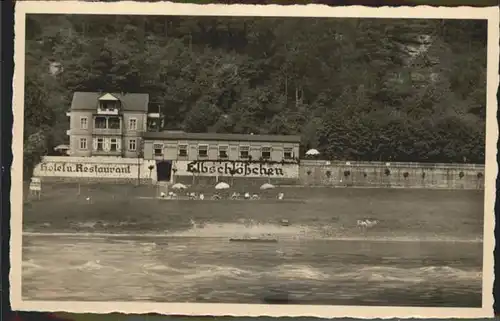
pixel 254 239
pixel 285 222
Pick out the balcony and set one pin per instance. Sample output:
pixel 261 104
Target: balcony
pixel 108 105
pixel 107 126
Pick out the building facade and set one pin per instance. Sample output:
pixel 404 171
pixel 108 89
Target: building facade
pixel 178 145
pixel 109 124
pixel 116 128
pixel 214 154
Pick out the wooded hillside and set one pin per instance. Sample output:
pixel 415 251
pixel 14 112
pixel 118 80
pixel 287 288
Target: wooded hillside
pixel 356 89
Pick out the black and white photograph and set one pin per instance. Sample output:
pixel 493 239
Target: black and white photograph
pixel 254 160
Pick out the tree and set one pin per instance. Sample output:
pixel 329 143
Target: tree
pixel 357 89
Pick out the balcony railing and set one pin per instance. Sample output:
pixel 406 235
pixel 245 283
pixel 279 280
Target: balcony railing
pixel 107 131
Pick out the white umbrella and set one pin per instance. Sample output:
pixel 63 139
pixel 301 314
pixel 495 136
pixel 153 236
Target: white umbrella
pixel 312 152
pixel 179 186
pixel 222 185
pixel 61 147
pixel 267 186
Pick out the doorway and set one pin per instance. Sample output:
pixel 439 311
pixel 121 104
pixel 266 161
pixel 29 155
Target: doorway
pixel 163 171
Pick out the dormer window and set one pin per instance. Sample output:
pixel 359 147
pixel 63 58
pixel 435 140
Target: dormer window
pixel 108 104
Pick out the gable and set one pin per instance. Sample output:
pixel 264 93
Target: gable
pixel 108 97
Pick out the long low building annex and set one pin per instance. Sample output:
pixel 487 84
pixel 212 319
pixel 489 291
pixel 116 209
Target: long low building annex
pixel 214 154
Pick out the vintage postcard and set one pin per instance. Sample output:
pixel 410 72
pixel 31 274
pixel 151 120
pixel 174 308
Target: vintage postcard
pixel 254 160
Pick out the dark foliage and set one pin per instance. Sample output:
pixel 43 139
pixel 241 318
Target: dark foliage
pixel 357 89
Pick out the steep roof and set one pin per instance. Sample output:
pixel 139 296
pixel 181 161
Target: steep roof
pixel 166 135
pixel 130 101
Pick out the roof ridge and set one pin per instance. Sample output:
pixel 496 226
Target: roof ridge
pixel 87 100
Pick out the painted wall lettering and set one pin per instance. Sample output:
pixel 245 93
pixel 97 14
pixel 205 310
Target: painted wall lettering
pixel 95 168
pixel 236 169
pixel 84 168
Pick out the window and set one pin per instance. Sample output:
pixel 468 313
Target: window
pixel 114 145
pixel 288 153
pixel 265 152
pixel 100 123
pixel 83 143
pixel 223 152
pixel 203 151
pixel 158 149
pixel 183 152
pixel 114 123
pixel 132 124
pixel 84 123
pixel 244 151
pixel 132 145
pixel 100 144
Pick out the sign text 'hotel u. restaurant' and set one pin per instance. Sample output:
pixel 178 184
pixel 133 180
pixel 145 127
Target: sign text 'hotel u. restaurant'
pixel 85 168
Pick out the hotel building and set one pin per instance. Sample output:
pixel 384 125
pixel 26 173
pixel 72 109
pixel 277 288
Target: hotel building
pixel 110 124
pixel 127 125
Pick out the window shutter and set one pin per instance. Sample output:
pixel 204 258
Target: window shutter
pixel 94 144
pixel 118 144
pixel 106 144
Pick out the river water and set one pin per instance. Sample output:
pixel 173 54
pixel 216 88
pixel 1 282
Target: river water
pixel 425 263
pixel 198 269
